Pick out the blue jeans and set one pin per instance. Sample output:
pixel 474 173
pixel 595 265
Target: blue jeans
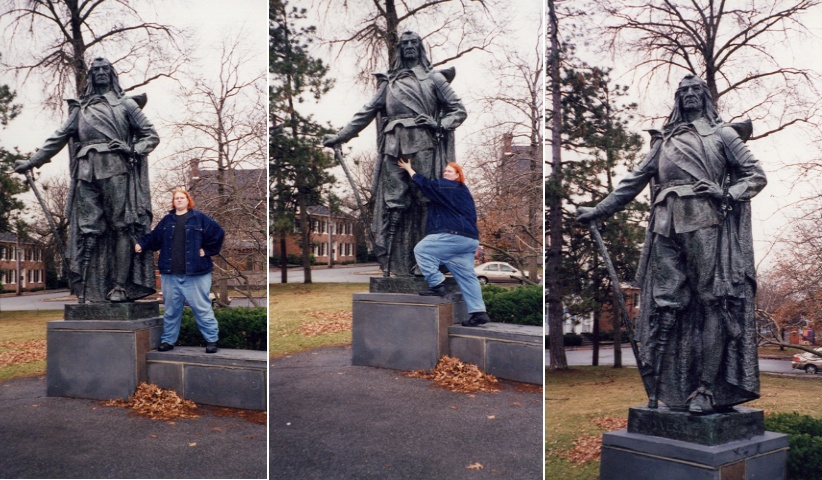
pixel 457 253
pixel 194 290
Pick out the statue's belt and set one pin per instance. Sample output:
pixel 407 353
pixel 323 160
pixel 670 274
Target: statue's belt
pixel 85 147
pixel 405 119
pixel 682 188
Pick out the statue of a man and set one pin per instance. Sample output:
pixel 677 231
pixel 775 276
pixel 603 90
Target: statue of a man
pixel 696 328
pixel 109 204
pixel 417 113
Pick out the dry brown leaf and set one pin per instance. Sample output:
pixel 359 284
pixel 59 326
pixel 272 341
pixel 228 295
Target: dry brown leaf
pixel 587 448
pixel 331 322
pixel 610 423
pixel 491 417
pixel 157 403
pixel 22 352
pixel 475 466
pixel 457 376
pixel 192 444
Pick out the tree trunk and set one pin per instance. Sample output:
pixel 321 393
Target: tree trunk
pixel 553 197
pixel 595 337
pixel 283 259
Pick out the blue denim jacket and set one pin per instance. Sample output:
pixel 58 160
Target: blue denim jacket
pixel 451 209
pixel 201 232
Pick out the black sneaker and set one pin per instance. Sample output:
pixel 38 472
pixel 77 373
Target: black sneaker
pixel 211 347
pixel 436 291
pixel 164 347
pixel 476 319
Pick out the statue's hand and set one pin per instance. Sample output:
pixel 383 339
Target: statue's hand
pixel 21 166
pixel 587 215
pixel 423 119
pixel 119 146
pixel 707 187
pixel 331 141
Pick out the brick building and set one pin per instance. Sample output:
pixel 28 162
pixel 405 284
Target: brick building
pixel 32 266
pixel 329 233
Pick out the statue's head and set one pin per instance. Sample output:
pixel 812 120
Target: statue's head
pixel 101 75
pixel 410 52
pixel 692 94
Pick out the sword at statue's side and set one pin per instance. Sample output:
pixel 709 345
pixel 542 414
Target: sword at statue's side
pixel 620 300
pixel 363 212
pixel 57 238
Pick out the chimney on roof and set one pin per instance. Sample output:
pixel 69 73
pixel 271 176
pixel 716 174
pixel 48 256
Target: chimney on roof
pixel 507 140
pixel 195 168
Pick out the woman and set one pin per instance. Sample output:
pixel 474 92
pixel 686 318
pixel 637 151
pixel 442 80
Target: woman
pixel 451 237
pixel 186 239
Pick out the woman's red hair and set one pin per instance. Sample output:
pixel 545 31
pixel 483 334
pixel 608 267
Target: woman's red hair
pixel 190 200
pixel 458 169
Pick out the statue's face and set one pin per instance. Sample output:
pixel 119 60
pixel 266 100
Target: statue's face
pixel 690 94
pixel 100 74
pixel 409 47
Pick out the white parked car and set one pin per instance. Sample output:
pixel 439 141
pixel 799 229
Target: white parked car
pixel 498 272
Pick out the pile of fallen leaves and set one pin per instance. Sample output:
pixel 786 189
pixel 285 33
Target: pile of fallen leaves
pixel 458 376
pixel 330 322
pixel 157 403
pixel 22 352
pixel 588 448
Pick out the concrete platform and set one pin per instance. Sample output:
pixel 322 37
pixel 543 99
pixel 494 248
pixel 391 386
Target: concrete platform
pixel 99 359
pixel 631 456
pixel 512 352
pixel 228 378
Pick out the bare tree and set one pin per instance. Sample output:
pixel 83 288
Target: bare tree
pixel 510 197
pixel 451 28
pixel 58 35
pixel 730 47
pixel 220 150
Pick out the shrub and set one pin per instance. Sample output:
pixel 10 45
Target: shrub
pixel 805 437
pixel 517 305
pixel 572 340
pixel 241 328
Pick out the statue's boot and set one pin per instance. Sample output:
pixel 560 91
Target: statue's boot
pixel 89 245
pixel 123 254
pixel 702 399
pixel 667 320
pixel 391 231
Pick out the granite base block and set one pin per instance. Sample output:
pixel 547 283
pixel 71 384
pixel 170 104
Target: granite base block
pixel 714 429
pixel 112 311
pixel 631 456
pixel 512 352
pixel 400 331
pixel 98 359
pixel 228 378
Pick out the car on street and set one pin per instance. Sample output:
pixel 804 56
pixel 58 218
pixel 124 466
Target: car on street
pixel 498 272
pixel 807 361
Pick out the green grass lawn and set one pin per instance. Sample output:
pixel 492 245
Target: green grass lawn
pixel 292 305
pixel 23 326
pixel 576 397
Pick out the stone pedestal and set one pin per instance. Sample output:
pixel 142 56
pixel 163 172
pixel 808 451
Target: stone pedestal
pixel 660 443
pixel 512 352
pixel 403 331
pixel 99 350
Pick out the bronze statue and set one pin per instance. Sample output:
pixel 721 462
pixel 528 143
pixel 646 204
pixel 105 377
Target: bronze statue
pixel 696 330
pixel 109 204
pixel 417 113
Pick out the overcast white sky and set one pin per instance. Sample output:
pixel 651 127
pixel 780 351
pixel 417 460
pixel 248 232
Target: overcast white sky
pixel 209 20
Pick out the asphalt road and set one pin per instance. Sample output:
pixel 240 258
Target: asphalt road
pixel 331 420
pixel 338 274
pixel 58 300
pixel 606 357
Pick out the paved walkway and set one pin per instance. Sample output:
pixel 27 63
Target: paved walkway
pixel 55 437
pixel 331 420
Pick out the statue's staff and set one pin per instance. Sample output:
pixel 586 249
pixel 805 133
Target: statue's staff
pixel 57 238
pixel 363 212
pixel 620 300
